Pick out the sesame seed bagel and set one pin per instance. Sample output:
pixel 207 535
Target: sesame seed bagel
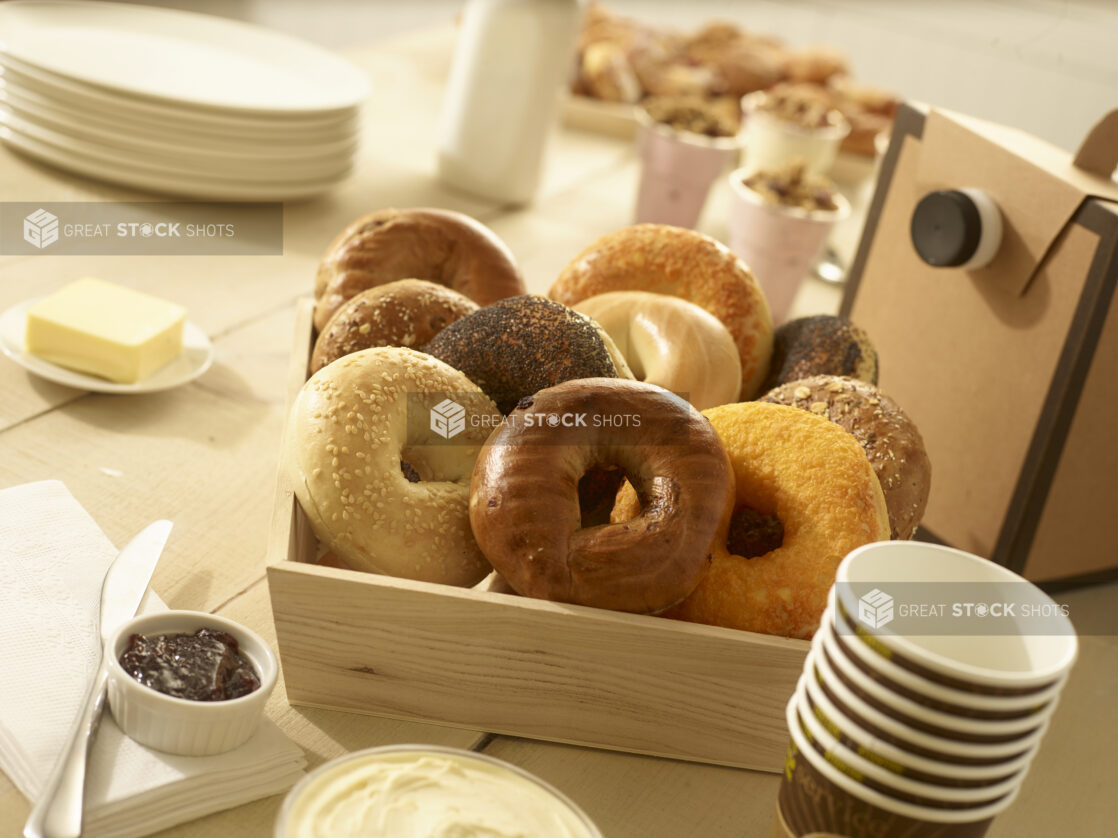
pixel 443 246
pixel 382 490
pixel 815 479
pixel 890 439
pixel 680 263
pixel 408 312
pixel 521 345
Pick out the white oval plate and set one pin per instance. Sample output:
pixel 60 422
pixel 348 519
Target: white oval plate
pixel 85 96
pixel 163 183
pixel 197 356
pixel 179 57
pixel 184 166
pixel 129 134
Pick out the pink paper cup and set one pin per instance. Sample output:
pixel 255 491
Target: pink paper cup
pixel 677 171
pixel 779 244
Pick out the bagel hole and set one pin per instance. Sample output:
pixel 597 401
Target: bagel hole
pixel 410 473
pixel 753 533
pixel 597 492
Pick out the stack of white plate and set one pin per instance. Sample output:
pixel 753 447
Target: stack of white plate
pixel 175 102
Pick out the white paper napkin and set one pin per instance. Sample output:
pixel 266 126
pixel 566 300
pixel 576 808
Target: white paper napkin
pixel 53 558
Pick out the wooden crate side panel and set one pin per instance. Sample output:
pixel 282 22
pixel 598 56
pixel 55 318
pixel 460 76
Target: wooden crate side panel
pixel 534 669
pixel 969 362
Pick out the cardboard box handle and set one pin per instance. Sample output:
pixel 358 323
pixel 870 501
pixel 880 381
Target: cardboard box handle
pixel 1098 153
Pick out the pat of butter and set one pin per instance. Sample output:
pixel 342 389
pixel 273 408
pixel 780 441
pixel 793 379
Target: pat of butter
pixel 103 329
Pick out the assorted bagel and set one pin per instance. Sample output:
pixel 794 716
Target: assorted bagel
pixel 455 429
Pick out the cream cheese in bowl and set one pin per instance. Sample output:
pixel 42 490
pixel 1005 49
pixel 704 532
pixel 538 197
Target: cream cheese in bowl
pixel 427 792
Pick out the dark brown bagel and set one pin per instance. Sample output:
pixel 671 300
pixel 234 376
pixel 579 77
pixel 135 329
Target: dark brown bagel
pixel 446 247
pixel 820 345
pixel 524 495
pixel 516 347
pixel 408 312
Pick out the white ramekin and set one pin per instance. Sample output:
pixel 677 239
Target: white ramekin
pixel 179 725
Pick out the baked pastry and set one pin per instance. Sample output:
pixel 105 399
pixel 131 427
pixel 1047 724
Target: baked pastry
pixel 891 441
pixel 814 478
pixel 822 344
pixel 671 343
pixel 680 263
pixel 815 64
pixel 446 247
pixel 379 487
pixel 515 347
pixel 524 499
pixel 408 312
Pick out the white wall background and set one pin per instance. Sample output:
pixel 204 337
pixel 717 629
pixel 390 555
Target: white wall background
pixel 1047 66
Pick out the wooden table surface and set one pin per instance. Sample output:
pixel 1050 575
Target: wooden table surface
pixel 205 455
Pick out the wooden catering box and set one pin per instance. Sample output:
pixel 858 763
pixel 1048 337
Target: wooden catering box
pixel 1011 370
pixel 507 664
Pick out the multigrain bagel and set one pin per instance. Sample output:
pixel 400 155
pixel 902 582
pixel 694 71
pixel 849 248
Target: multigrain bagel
pixel 524 497
pixel 671 343
pixel 446 247
pixel 408 312
pixel 815 479
pixel 680 263
pixel 381 490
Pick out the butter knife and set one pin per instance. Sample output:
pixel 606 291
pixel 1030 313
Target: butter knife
pixel 58 811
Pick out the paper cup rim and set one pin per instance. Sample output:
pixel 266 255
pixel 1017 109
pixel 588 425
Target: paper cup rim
pixel 904 757
pixel 942 664
pixel 920 738
pixel 933 689
pixel 841 212
pixel 938 718
pixel 749 109
pixel 292 796
pixel 880 800
pixel 949 794
pixel 645 121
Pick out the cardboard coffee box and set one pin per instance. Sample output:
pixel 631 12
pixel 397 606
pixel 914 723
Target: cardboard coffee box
pixel 1009 370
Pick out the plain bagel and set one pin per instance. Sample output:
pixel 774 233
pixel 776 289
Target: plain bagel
pixel 446 247
pixel 382 490
pixel 679 263
pixel 671 343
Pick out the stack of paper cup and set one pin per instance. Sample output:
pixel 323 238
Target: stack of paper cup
pixel 924 697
